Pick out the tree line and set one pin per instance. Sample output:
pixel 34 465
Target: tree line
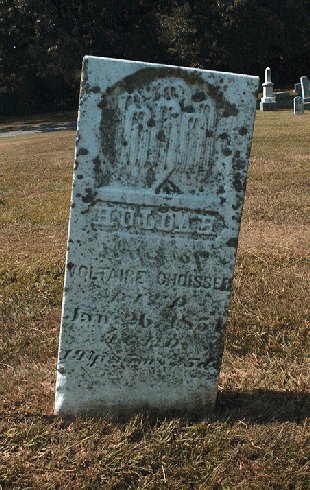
pixel 42 42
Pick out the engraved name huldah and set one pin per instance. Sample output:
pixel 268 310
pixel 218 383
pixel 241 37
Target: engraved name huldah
pixel 156 219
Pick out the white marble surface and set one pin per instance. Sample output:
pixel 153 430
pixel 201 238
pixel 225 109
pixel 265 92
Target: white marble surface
pixel 159 178
pixel 298 105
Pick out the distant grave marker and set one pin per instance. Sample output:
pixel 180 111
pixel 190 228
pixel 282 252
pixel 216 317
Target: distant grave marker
pixel 298 105
pixel 305 88
pixel 268 101
pixel 159 179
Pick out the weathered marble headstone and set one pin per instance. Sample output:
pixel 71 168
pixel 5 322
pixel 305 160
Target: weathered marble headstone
pixel 298 105
pixel 268 101
pixel 305 88
pixel 160 172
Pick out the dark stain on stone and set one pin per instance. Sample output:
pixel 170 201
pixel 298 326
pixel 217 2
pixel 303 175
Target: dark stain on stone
pixel 221 190
pixel 70 266
pixel 237 154
pixel 230 110
pixel 95 90
pixel 76 165
pixel 148 75
pixel 243 131
pixel 73 205
pixel 101 177
pixel 161 136
pixel 151 122
pixel 226 152
pixel 110 118
pixel 237 182
pixel 218 96
pixel 90 197
pixel 80 176
pixel 209 133
pixel 198 97
pixel 232 242
pixel 82 151
pixel 150 177
pixel 189 108
pixel 239 164
pixel 103 104
pixel 223 136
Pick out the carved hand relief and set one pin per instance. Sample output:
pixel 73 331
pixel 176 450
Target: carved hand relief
pixel 163 135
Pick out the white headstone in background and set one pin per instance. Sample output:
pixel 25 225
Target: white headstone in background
pixel 268 101
pixel 298 105
pixel 305 88
pixel 160 172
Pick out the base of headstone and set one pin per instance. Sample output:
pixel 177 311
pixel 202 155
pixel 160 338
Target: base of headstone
pixel 268 106
pixel 281 96
pixel 193 408
pixel 285 104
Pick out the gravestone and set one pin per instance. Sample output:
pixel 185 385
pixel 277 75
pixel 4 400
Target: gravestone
pixel 284 100
pixel 305 88
pixel 159 178
pixel 298 105
pixel 282 96
pixel 297 88
pixel 268 101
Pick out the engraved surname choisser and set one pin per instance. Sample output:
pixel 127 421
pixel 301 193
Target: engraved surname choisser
pixel 164 128
pixel 104 275
pixel 155 219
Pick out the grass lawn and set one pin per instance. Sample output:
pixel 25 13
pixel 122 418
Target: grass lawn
pixel 258 437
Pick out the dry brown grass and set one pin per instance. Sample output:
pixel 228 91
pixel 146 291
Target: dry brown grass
pixel 259 436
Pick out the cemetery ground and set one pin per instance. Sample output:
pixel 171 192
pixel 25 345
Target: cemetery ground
pixel 258 437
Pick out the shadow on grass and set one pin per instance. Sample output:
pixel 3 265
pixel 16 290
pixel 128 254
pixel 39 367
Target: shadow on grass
pixel 259 407
pixel 263 406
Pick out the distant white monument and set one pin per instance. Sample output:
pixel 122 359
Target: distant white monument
pixel 268 101
pixel 161 163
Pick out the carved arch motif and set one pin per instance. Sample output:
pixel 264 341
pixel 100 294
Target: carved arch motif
pixel 165 129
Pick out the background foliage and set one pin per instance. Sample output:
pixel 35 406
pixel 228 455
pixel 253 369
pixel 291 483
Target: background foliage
pixel 42 42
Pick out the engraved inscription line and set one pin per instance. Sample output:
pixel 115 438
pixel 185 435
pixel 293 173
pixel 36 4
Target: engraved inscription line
pixel 155 219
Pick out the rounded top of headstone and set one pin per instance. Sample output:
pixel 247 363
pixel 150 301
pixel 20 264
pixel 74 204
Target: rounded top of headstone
pixel 268 74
